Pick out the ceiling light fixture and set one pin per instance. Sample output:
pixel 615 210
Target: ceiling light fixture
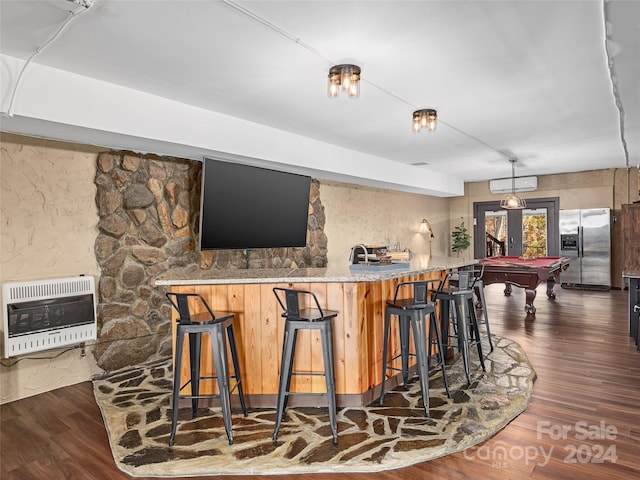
pixel 345 77
pixel 425 118
pixel 300 42
pixel 511 201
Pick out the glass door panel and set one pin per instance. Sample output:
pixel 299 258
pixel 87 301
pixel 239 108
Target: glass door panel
pixel 495 223
pixel 534 233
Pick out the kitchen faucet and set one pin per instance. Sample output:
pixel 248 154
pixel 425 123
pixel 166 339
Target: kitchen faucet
pixel 353 257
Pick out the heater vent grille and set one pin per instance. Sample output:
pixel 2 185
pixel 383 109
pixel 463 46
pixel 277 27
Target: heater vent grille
pixel 39 290
pixel 45 314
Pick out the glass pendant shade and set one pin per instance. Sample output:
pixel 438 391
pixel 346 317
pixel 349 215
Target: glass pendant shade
pixel 426 118
pixel 344 78
pixel 511 201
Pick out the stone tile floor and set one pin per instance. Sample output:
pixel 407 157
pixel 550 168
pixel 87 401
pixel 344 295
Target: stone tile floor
pixel 137 414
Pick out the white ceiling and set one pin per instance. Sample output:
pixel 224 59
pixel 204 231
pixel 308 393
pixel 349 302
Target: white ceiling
pixel 555 84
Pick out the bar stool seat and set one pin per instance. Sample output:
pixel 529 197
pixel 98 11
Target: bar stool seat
pixel 219 326
pixel 411 314
pixel 465 323
pixel 302 311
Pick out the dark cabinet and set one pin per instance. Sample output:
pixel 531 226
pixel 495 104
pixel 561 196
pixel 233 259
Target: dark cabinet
pixel 631 237
pixel 634 309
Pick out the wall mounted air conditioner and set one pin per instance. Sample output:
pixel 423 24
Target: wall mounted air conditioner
pixel 523 184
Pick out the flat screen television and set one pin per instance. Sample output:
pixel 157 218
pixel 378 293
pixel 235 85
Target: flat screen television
pixel 245 207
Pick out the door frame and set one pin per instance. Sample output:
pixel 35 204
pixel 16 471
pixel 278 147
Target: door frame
pixel 514 217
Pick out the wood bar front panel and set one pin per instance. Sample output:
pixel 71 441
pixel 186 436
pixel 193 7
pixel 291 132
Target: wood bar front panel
pixel 259 327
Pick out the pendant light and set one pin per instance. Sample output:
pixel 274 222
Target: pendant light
pixel 511 201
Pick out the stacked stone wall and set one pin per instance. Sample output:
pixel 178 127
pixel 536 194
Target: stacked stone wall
pixel 148 210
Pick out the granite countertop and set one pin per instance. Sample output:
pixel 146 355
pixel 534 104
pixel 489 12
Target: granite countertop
pixel 336 273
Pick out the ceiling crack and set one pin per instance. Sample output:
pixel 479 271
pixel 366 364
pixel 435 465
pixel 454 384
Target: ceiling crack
pixel 614 81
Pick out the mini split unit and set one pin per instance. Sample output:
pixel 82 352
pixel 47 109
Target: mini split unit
pixel 522 184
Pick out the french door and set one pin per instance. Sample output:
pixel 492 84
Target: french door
pixel 532 231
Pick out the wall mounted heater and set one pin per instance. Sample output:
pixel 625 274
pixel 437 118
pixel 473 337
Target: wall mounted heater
pixel 522 184
pixel 44 314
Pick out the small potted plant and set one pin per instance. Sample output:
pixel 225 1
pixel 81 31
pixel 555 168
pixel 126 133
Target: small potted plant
pixel 460 239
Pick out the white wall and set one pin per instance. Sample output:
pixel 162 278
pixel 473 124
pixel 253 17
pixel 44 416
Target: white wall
pixel 609 188
pixel 49 226
pixel 48 230
pixel 48 220
pixel 60 104
pixel 357 214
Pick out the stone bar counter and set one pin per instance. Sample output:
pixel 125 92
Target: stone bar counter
pixel 359 295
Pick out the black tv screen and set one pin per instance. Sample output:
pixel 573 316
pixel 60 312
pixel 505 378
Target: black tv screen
pixel 252 207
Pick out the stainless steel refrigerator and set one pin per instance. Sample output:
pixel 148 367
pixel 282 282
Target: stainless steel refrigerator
pixel 585 238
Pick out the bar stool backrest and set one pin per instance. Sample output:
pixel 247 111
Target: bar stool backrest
pixel 466 277
pixel 478 272
pixel 293 299
pixel 180 301
pixel 420 292
pixel 420 289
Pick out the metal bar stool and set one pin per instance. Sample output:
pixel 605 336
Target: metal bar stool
pixel 216 324
pixel 476 284
pixel 310 317
pixel 411 313
pixel 465 322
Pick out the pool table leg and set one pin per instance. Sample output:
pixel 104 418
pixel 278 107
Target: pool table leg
pixel 551 282
pixel 530 297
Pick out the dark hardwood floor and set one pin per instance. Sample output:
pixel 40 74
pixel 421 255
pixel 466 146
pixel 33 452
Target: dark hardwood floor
pixel 588 384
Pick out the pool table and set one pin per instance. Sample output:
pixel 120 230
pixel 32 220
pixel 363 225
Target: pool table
pixel 524 273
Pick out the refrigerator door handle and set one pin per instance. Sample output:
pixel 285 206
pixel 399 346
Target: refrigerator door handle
pixel 581 241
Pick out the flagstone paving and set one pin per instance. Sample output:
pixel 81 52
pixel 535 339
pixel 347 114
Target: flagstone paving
pixel 135 404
